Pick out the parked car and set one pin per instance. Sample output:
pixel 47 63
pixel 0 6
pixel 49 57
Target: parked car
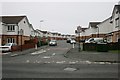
pixel 95 40
pixel 73 42
pixel 82 40
pixel 53 43
pixel 68 40
pixel 7 47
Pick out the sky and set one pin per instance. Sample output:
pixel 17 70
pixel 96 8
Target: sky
pixel 62 17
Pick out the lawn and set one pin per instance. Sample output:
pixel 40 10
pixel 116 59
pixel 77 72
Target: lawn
pixel 114 51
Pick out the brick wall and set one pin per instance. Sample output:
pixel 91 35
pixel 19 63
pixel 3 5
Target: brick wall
pixel 23 47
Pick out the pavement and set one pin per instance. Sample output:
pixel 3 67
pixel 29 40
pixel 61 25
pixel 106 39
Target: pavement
pixel 92 56
pixel 17 53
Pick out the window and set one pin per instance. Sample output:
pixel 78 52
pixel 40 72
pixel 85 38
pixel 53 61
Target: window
pixel 11 27
pixel 117 22
pixel 10 40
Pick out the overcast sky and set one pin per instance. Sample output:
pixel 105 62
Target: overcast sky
pixel 63 17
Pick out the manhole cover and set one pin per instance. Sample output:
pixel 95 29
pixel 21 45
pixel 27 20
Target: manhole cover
pixel 70 69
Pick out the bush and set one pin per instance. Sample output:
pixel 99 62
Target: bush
pixel 89 46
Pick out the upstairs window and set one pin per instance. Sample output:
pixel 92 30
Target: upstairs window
pixel 11 27
pixel 117 22
pixel 116 11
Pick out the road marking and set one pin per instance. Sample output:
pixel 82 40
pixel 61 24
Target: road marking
pixel 60 62
pixel 70 69
pixel 46 62
pixel 6 53
pixel 72 62
pixel 101 62
pixel 27 61
pixel 48 49
pixel 38 52
pixel 59 48
pixel 53 54
pixel 14 55
pixel 88 62
pixel 46 57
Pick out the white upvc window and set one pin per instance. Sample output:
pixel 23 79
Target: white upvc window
pixel 117 22
pixel 11 27
pixel 10 40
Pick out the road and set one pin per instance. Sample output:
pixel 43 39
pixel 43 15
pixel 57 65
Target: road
pixel 51 63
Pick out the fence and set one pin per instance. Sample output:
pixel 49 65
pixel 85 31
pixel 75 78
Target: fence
pixel 95 46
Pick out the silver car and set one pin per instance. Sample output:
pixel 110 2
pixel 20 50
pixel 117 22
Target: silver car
pixel 53 43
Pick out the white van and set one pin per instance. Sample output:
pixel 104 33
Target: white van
pixel 95 40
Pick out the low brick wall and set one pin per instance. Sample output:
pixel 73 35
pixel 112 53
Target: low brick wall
pixel 89 46
pixel 94 46
pixel 114 46
pixel 23 47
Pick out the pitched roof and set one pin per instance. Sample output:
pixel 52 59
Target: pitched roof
pixel 116 7
pixel 11 19
pixel 94 24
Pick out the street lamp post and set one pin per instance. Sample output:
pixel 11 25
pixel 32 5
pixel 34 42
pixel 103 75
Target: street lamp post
pixel 41 23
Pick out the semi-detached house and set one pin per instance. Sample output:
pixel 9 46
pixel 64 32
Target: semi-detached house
pixel 91 31
pixel 15 29
pixel 115 21
pixel 111 26
pixel 105 27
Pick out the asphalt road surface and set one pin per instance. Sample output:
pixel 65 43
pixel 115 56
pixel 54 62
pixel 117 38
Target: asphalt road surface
pixel 51 63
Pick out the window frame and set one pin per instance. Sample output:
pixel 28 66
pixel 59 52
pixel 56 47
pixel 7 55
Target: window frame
pixel 116 22
pixel 10 40
pixel 10 28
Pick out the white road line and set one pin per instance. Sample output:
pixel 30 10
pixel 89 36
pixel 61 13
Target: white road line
pixel 38 52
pixel 53 54
pixel 46 57
pixel 72 62
pixel 59 62
pixel 70 69
pixel 5 53
pixel 27 61
pixel 14 55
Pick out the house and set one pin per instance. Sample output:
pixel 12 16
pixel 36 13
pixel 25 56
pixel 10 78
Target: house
pixel 63 36
pixel 44 34
pixel 54 35
pixel 115 21
pixel 59 36
pixel 92 30
pixel 0 32
pixel 38 33
pixel 82 34
pixel 105 29
pixel 32 32
pixel 15 29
